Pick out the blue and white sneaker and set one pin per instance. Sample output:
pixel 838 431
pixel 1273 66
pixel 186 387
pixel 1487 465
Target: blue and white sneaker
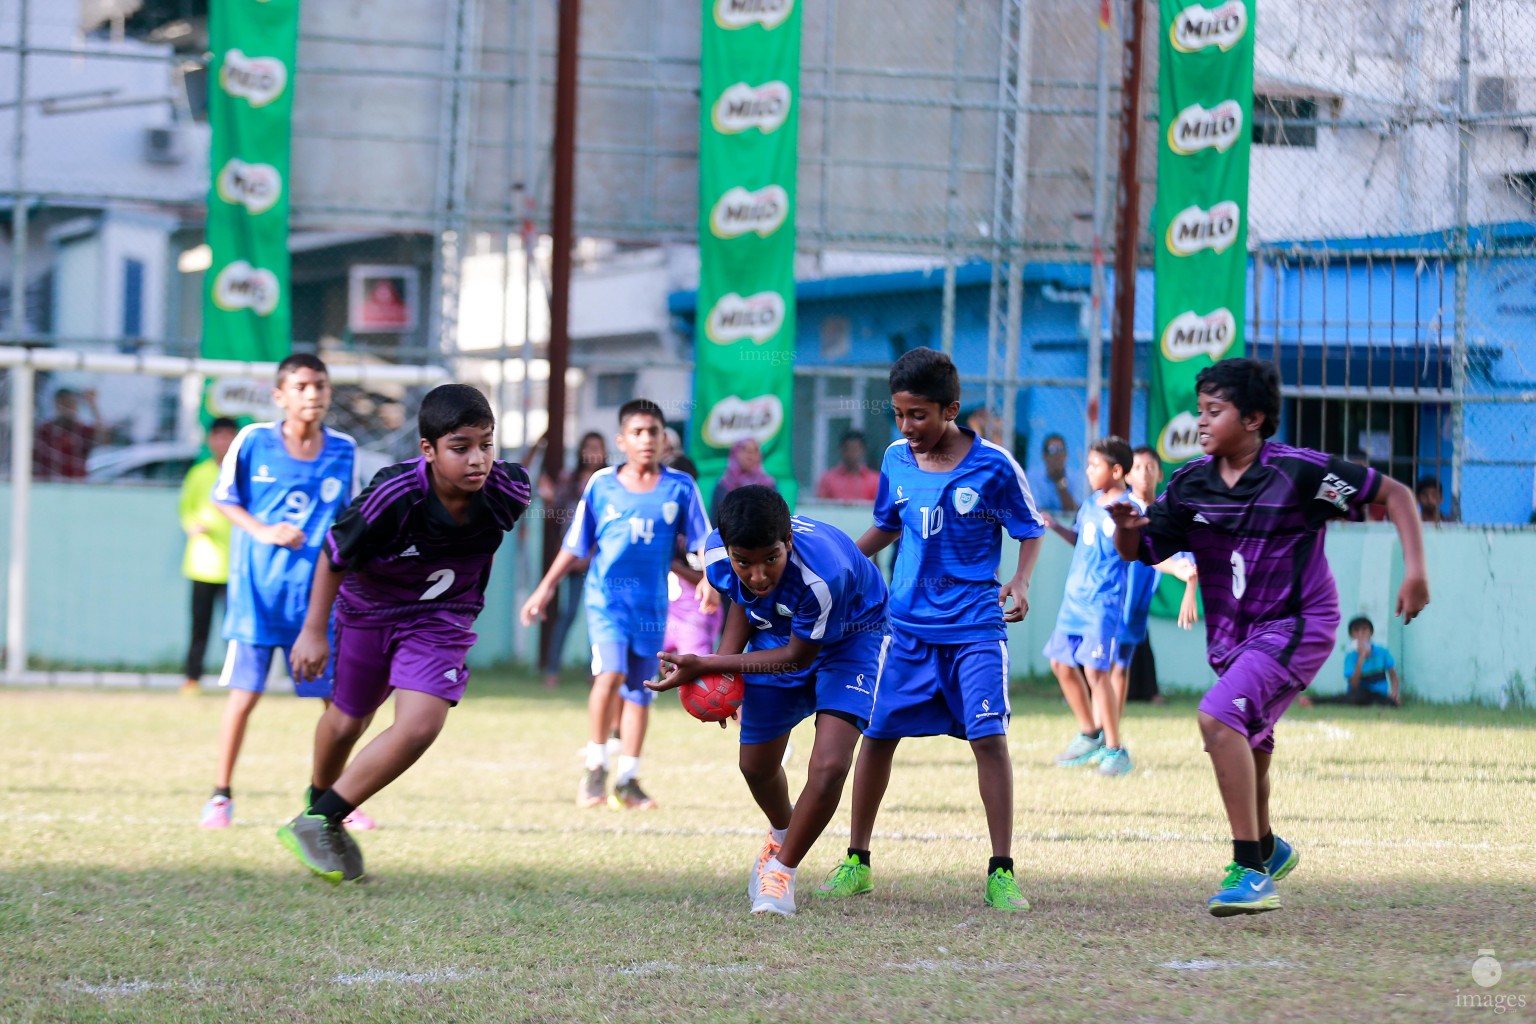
pixel 1115 762
pixel 1243 891
pixel 1080 751
pixel 1283 861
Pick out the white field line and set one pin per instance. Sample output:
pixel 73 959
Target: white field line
pixel 377 977
pixel 1231 965
pixel 1132 835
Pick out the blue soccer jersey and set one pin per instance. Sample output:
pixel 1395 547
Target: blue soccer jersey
pixel 269 585
pixel 631 537
pixel 1140 585
pixel 944 586
pixel 1094 599
pixel 830 594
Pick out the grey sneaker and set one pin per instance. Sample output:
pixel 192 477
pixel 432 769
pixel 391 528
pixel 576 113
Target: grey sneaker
pixel 318 844
pixel 593 791
pixel 1080 751
pixel 351 857
pixel 628 796
pixel 1115 762
pixel 775 893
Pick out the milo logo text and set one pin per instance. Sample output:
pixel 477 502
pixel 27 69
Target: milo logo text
pixel 1196 128
pixel 254 186
pixel 758 317
pixel 1194 229
pixel 741 107
pixel 242 286
pixel 735 419
pixel 1196 27
pixel 741 212
pixel 732 14
pixel 1189 335
pixel 257 80
pixel 1180 439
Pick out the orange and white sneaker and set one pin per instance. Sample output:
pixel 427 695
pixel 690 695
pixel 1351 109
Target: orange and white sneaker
pixel 775 890
pixel 770 850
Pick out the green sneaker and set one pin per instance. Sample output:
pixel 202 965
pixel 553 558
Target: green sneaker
pixel 1003 892
pixel 318 843
pixel 850 878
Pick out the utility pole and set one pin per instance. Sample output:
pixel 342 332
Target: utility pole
pixel 1122 357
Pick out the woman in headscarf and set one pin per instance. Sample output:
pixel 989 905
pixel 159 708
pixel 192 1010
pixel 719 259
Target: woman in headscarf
pixel 743 467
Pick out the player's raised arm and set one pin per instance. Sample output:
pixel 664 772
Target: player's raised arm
pixel 1129 523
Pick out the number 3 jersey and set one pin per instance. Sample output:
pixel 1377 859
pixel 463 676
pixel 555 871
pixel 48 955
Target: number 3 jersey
pixel 405 555
pixel 269 585
pixel 944 586
pixel 1258 545
pixel 635 536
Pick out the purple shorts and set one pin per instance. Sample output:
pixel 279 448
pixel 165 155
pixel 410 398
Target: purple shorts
pixel 1255 688
pixel 424 654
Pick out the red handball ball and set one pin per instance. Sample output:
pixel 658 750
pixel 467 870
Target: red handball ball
pixel 712 698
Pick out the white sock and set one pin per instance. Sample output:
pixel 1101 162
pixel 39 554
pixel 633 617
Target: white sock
pixel 597 756
pixel 778 834
pixel 613 746
pixel 775 865
pixel 629 767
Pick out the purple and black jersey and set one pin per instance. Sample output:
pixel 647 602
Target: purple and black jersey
pixel 1258 545
pixel 406 555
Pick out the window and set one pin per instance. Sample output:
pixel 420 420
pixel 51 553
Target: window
pixel 614 389
pixel 1285 121
pixel 1387 434
pixel 133 298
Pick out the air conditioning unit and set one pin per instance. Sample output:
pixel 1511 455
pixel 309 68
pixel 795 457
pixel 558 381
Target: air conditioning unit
pixel 1496 95
pixel 163 146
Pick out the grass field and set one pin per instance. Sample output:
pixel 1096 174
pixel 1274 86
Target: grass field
pixel 491 897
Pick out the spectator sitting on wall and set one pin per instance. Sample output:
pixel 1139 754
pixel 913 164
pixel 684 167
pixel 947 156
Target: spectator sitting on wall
pixel 851 480
pixel 1049 482
pixel 744 467
pixel 63 444
pixel 1430 500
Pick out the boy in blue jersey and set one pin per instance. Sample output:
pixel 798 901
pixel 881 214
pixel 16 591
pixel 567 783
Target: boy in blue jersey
pixel 948 494
pixel 405 571
pixel 282 484
pixel 627 523
pixel 810 609
pixel 1088 624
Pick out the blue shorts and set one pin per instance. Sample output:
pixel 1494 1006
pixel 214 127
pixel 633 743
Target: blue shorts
pixel 1123 654
pixel 842 679
pixel 929 689
pixel 246 667
pixel 638 669
pixel 1088 651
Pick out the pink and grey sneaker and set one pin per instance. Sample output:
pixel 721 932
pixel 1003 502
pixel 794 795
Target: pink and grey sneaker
pixel 360 820
pixel 218 812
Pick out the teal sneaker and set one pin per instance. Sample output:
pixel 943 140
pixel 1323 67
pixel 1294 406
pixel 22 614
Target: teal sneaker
pixel 318 843
pixel 850 878
pixel 1003 892
pixel 1243 891
pixel 1115 762
pixel 1283 861
pixel 1080 751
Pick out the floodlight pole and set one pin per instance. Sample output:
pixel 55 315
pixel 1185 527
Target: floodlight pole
pixel 23 385
pixel 1122 340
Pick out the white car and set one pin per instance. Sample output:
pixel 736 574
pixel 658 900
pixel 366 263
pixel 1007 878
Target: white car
pixel 165 463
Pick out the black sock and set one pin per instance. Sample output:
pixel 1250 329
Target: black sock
pixel 1247 853
pixel 996 863
pixel 223 791
pixel 311 794
pixel 330 805
pixel 863 855
pixel 1267 845
pixel 1096 734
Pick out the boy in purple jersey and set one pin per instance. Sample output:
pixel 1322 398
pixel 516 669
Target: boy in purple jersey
pixel 406 570
pixel 1253 513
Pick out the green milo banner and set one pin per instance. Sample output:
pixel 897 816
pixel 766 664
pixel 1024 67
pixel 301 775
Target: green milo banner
pixel 1205 96
pixel 1205 100
pixel 745 336
pixel 250 107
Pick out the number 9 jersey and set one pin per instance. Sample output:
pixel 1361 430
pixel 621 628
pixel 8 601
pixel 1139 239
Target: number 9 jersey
pixel 269 585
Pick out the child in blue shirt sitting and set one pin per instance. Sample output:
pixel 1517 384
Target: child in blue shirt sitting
pixel 1369 670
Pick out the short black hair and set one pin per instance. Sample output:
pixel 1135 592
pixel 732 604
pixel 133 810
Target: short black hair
pixel 223 423
pixel 753 517
pixel 448 407
pixel 1145 449
pixel 927 374
pixel 300 361
pixel 853 435
pixel 1250 384
pixel 641 407
pixel 1360 620
pixel 1116 450
pixel 1426 482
